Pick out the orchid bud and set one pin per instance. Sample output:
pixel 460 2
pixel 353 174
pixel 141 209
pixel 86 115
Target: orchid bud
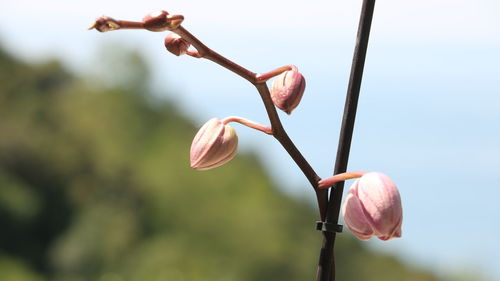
pixel 214 145
pixel 104 24
pixel 287 90
pixel 176 44
pixel 161 21
pixel 373 208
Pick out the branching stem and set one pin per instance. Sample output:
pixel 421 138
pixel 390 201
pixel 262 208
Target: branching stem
pixel 329 208
pixel 258 80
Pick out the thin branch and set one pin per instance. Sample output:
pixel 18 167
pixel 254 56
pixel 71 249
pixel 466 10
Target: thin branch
pixel 208 53
pixel 280 134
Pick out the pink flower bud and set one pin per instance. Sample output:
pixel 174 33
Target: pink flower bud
pixel 176 44
pixel 372 207
pixel 287 90
pixel 214 145
pixel 161 21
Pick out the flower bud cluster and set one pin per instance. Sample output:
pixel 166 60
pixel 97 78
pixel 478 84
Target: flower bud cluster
pixel 372 206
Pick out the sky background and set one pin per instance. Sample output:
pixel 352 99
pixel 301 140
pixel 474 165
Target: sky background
pixel 428 113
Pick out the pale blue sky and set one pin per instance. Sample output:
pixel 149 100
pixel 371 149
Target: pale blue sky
pixel 428 113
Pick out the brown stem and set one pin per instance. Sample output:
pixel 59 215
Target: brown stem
pixel 125 24
pixel 205 52
pixel 278 131
pixel 280 134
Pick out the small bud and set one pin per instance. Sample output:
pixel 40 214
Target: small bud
pixel 176 44
pixel 372 207
pixel 161 21
pixel 287 90
pixel 214 145
pixel 105 23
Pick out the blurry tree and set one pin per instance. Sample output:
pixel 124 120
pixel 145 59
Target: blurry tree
pixel 95 185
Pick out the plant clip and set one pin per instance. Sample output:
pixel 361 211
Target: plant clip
pixel 328 227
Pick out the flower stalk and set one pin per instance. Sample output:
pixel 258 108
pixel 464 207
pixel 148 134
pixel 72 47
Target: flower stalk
pixel 248 123
pixel 326 265
pixel 279 133
pixel 329 182
pixel 216 142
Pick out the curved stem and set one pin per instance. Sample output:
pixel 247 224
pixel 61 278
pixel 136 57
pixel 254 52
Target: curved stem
pixel 193 53
pixel 329 212
pixel 261 78
pixel 329 182
pixel 258 80
pixel 205 52
pixel 279 132
pixel 248 123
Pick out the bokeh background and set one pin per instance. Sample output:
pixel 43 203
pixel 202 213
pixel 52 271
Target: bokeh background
pixel 95 131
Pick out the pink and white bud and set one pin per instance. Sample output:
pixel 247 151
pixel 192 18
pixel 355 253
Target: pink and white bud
pixel 372 207
pixel 214 145
pixel 161 21
pixel 287 90
pixel 176 44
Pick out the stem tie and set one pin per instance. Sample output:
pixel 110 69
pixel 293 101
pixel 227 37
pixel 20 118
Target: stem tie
pixel 328 227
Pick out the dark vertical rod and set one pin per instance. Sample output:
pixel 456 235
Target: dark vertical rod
pixel 326 265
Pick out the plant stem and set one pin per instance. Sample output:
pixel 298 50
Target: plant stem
pixel 248 123
pixel 206 52
pixel 326 266
pixel 329 182
pixel 279 133
pixel 266 76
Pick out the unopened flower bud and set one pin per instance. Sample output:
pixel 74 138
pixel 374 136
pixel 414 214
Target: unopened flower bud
pixel 161 21
pixel 105 23
pixel 214 145
pixel 372 207
pixel 287 90
pixel 176 44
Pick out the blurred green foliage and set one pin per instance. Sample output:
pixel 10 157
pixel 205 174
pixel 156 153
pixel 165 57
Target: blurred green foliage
pixel 95 185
